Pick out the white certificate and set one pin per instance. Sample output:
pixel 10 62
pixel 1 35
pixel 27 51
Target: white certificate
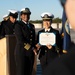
pixel 47 38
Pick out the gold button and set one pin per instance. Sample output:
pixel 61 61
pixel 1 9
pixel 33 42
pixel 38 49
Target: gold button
pixel 31 31
pixel 24 43
pixel 30 39
pixel 31 35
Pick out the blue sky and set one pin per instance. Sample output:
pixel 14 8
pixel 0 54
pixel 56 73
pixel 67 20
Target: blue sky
pixel 37 7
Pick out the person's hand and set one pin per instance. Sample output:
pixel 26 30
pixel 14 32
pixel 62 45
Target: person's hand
pixel 49 46
pixel 34 50
pixel 62 35
pixel 38 46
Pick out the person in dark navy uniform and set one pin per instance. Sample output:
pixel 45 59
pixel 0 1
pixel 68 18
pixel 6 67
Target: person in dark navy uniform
pixel 5 18
pixel 8 25
pixel 25 47
pixel 48 52
pixel 65 65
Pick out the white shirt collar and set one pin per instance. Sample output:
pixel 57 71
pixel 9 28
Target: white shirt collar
pixel 47 29
pixel 25 22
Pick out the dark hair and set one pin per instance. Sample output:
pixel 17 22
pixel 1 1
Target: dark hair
pixel 47 20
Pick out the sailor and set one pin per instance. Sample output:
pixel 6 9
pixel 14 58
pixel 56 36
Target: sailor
pixel 8 25
pixel 25 47
pixel 48 52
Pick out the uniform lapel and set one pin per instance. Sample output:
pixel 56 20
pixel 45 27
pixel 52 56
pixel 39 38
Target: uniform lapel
pixel 25 29
pixel 51 29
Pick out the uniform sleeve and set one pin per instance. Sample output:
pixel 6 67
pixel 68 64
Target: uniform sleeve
pixel 2 33
pixel 58 42
pixel 37 37
pixel 34 36
pixel 18 34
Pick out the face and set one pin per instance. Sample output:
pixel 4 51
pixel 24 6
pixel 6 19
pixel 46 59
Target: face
pixel 12 19
pixel 70 12
pixel 25 17
pixel 46 24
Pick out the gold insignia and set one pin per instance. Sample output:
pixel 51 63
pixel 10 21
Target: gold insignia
pixel 27 46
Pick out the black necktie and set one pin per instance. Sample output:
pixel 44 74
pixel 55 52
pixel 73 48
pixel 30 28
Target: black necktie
pixel 28 25
pixel 47 31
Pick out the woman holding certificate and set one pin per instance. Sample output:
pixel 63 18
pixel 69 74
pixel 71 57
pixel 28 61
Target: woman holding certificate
pixel 48 41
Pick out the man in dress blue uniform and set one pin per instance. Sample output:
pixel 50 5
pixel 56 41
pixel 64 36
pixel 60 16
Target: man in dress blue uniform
pixel 48 52
pixel 25 47
pixel 8 25
pixel 65 65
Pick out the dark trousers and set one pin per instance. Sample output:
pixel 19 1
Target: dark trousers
pixel 24 64
pixel 46 59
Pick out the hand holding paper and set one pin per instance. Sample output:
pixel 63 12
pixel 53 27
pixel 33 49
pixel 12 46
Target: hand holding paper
pixel 49 46
pixel 47 38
